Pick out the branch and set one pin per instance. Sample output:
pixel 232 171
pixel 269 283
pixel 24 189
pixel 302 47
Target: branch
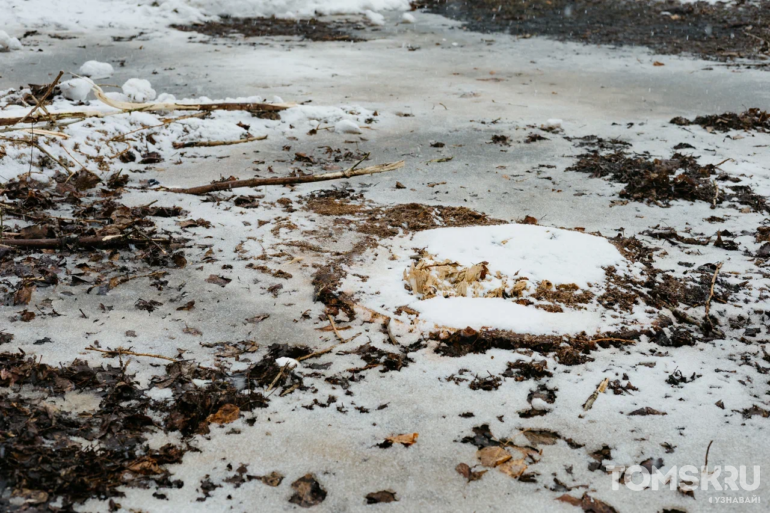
pixel 288 180
pixel 209 144
pixel 107 240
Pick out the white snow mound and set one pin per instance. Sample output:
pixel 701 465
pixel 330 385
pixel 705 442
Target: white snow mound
pixel 347 127
pixel 96 69
pixel 8 43
pixel 139 90
pixel 76 89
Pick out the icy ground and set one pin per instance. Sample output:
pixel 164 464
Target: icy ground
pixel 440 94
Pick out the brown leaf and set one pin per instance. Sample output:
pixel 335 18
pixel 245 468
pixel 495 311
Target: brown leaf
pixel 192 331
pixel 257 318
pixel 188 306
pixel 513 468
pixel 85 180
pixel 308 492
pixel 399 185
pixel 588 503
pixel 23 295
pixel 272 479
pixel 218 280
pixel 541 437
pixel 469 474
pixel 145 466
pixel 406 439
pixel 381 496
pixel 647 411
pixel 492 456
pixel 226 414
pixel 658 63
pixel 528 220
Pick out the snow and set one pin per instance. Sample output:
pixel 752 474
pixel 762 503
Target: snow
pixel 554 123
pixel 528 254
pixel 8 43
pixel 76 89
pixel 139 90
pixel 525 251
pixel 289 363
pixel 96 69
pixel 375 18
pixel 154 16
pixel 408 18
pixel 347 127
pixel 498 313
pixel 295 8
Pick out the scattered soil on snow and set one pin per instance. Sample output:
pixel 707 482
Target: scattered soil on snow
pixel 312 29
pixel 720 31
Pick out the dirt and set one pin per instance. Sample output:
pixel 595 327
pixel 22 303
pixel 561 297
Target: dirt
pixel 750 120
pixel 721 32
pixel 312 29
pixel 661 181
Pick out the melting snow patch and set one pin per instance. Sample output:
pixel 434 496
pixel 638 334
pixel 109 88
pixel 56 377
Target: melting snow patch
pixel 504 277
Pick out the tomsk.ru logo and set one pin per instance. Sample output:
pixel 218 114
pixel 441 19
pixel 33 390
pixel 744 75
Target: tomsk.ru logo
pixel 686 478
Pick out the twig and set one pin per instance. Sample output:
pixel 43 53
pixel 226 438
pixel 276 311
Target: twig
pixel 39 103
pixel 107 240
pixel 599 390
pixel 711 294
pixel 288 180
pixel 209 144
pixel 334 327
pixel 708 449
pixel 120 351
pixel 328 349
pixel 350 170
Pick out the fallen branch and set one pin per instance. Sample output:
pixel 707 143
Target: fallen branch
pixel 209 144
pixel 33 116
pixel 107 240
pixel 289 180
pixel 112 353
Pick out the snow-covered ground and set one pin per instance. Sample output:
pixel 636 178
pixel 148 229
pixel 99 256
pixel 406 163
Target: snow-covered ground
pixel 458 89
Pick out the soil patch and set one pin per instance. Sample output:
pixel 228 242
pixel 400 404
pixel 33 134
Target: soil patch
pixel 312 29
pixel 752 119
pixel 719 32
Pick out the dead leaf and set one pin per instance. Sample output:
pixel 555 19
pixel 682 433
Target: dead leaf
pixel 188 306
pixel 145 466
pixel 226 414
pixel 469 474
pixel 218 280
pixel 541 437
pixel 513 468
pixel 381 496
pixel 257 318
pixel 647 411
pixel 308 492
pixel 272 479
pixel 406 439
pixel 658 63
pixel 588 503
pixel 492 456
pixel 192 331
pixel 23 295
